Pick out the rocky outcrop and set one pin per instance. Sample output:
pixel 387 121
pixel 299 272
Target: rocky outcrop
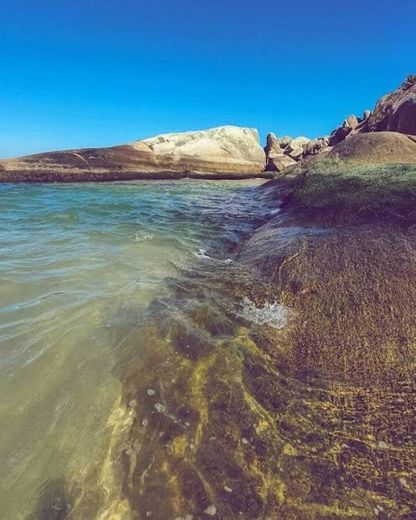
pixel 285 151
pixel 375 148
pixel 295 149
pixel 395 112
pixel 316 146
pixel 224 152
pixel 279 163
pixel 224 149
pixel 339 258
pixel 350 126
pixel 366 174
pixel 276 159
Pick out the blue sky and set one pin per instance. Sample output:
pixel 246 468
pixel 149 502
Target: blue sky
pixel 95 73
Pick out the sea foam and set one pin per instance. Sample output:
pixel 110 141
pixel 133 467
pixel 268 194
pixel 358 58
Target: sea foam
pixel 273 314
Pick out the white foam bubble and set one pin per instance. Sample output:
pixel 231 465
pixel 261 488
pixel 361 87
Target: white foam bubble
pixel 202 254
pixel 142 237
pixel 273 314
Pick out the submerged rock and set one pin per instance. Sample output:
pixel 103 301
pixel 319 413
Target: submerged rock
pixel 302 407
pixel 211 510
pixel 224 152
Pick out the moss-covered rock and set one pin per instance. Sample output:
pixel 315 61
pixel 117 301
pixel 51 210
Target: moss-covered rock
pixel 368 176
pixel 341 386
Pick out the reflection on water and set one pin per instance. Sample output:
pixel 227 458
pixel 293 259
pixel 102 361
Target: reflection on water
pixel 79 266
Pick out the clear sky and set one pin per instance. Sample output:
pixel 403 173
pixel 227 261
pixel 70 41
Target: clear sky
pixel 100 72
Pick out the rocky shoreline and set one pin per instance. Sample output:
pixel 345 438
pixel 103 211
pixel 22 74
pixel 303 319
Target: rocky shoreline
pixel 308 414
pixel 307 410
pixel 348 281
pixel 341 258
pixel 310 419
pixel 227 152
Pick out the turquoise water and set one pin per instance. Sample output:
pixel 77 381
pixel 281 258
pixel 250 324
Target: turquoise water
pixel 79 266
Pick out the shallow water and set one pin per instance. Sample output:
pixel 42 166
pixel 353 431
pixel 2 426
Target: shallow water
pixel 154 364
pixel 79 266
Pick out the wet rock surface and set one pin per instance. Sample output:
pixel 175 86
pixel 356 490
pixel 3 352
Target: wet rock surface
pixel 343 259
pixel 313 420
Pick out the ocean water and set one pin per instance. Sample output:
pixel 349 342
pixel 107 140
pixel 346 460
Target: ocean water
pixel 79 267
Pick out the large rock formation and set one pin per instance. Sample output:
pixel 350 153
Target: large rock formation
pixel 285 151
pixel 367 174
pixel 316 146
pixel 395 112
pixel 338 380
pixel 375 148
pixel 224 152
pixel 351 124
pixel 224 149
pixel 276 159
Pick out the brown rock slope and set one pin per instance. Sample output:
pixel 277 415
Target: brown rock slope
pixel 368 174
pixel 378 147
pixel 226 152
pixel 396 111
pixel 340 387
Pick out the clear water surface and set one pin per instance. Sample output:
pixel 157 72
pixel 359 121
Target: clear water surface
pixel 79 264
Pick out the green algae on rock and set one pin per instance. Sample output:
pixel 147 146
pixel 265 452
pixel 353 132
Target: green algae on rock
pixel 352 344
pixel 306 421
pixel 310 420
pixel 342 257
pixel 367 175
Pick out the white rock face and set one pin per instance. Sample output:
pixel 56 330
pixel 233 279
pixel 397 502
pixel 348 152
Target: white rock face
pixel 226 148
pixel 300 141
pixel 227 152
